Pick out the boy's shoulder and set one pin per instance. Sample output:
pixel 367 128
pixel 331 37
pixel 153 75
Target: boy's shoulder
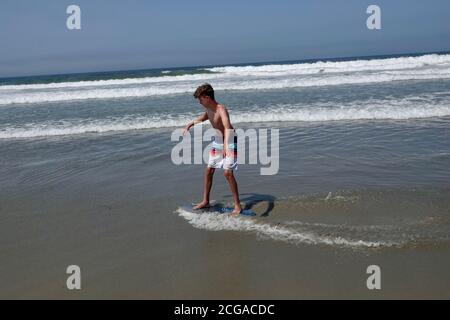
pixel 221 107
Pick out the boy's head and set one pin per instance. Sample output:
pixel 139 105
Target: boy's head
pixel 204 94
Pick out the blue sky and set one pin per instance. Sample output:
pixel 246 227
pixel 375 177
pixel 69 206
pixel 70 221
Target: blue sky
pixel 138 34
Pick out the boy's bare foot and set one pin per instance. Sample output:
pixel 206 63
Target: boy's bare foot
pixel 201 205
pixel 236 211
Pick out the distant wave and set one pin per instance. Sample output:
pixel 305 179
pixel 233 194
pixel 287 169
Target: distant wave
pixel 264 77
pixel 167 76
pixel 340 66
pixel 414 107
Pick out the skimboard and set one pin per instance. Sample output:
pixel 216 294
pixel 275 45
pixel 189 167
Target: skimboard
pixel 217 209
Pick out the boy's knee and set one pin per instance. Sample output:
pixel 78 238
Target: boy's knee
pixel 228 174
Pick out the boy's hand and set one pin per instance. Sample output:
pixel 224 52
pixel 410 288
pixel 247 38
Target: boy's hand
pixel 186 129
pixel 200 119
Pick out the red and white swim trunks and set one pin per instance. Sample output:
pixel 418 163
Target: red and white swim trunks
pixel 218 159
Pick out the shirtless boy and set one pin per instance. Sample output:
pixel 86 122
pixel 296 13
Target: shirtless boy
pixel 223 153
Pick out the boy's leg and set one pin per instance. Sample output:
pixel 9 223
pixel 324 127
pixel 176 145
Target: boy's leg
pixel 209 174
pixel 234 190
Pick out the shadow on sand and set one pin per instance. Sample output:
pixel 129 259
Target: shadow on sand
pixel 252 199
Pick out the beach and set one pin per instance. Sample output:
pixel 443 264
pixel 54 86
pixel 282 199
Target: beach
pixel 87 179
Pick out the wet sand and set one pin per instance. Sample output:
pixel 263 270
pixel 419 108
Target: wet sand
pixel 110 206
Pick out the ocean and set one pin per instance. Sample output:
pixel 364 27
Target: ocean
pixel 86 178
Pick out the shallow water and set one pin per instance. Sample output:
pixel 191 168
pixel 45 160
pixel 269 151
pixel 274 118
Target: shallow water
pixel 86 177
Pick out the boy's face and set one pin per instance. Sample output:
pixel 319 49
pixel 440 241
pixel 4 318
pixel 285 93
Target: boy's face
pixel 203 100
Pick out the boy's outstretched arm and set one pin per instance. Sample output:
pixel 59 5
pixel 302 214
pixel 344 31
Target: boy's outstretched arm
pixel 200 119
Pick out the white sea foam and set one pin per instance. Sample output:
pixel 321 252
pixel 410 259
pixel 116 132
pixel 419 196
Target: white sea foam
pixel 237 78
pixel 109 83
pixel 265 230
pixel 80 126
pixel 340 66
pixel 409 108
pixel 431 60
pixel 241 84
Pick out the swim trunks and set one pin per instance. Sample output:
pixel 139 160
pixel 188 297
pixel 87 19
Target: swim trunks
pixel 216 155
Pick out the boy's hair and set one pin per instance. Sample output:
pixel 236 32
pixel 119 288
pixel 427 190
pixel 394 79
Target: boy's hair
pixel 204 90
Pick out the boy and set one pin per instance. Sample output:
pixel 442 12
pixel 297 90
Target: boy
pixel 222 155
